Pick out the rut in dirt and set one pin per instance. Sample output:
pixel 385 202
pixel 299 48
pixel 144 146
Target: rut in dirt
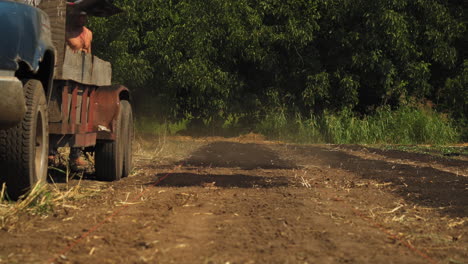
pixel 234 202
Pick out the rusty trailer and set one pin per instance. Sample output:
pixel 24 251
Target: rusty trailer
pixel 85 109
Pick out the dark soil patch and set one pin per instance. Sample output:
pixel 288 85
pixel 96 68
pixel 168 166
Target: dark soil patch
pixel 228 202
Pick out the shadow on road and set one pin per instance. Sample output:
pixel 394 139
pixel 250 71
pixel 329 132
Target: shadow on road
pixel 224 181
pixel 237 155
pixel 399 154
pixel 425 186
pixel 224 156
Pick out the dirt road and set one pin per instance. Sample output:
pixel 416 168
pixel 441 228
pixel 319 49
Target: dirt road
pixel 253 201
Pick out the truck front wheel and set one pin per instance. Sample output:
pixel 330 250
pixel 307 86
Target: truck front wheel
pixel 24 148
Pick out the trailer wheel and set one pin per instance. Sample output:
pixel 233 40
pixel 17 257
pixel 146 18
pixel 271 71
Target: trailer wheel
pixel 128 128
pixel 109 155
pixel 24 148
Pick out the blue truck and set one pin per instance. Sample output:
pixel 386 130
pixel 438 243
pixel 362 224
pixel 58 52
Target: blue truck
pixel 54 97
pixel 26 48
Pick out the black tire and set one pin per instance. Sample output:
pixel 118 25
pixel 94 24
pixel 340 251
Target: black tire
pixel 24 148
pixel 128 134
pixel 109 155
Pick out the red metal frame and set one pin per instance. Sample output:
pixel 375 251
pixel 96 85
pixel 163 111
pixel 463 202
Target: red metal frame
pixel 84 111
pixel 65 110
pixel 72 121
pixel 93 119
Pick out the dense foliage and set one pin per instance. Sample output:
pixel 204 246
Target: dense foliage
pixel 218 60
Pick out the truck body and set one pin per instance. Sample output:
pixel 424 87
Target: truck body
pixel 55 97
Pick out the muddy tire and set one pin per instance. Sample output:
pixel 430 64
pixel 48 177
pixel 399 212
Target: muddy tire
pixel 24 148
pixel 128 128
pixel 109 155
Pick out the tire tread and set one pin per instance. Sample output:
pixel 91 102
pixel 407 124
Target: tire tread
pixel 15 157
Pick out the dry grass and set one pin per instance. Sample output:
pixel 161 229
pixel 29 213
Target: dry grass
pixel 301 177
pixel 43 199
pixel 417 224
pixel 149 149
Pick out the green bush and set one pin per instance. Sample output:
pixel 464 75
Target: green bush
pixel 222 62
pixel 210 59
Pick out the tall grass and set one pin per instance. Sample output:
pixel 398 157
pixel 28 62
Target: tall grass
pixel 406 125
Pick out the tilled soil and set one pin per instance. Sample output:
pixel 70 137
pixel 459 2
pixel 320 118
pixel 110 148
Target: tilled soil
pixel 251 201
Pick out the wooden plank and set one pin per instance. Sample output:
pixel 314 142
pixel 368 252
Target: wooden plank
pixel 101 73
pixel 85 69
